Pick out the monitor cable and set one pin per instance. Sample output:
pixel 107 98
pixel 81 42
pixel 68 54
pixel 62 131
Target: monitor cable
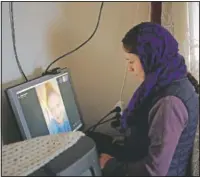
pixel 81 45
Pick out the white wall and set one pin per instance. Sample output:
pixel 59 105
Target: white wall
pixel 45 30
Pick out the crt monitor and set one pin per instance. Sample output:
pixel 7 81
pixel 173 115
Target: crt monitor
pixel 46 105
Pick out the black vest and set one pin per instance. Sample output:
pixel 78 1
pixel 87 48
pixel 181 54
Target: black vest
pixel 138 142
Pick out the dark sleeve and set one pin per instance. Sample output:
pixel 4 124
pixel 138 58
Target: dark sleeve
pixel 114 168
pixel 167 118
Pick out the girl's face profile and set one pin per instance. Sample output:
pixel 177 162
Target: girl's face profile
pixel 134 65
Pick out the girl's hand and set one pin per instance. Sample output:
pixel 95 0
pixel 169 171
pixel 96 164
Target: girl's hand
pixel 104 158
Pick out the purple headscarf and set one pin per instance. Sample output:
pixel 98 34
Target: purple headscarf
pixel 161 61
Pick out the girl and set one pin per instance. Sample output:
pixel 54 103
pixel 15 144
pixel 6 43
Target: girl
pixel 163 113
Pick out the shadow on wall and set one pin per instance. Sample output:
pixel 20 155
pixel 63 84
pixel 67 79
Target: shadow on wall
pixel 10 129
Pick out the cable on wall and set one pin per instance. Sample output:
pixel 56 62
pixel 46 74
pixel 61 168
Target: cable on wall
pixel 11 14
pixel 123 83
pixel 81 45
pixel 126 64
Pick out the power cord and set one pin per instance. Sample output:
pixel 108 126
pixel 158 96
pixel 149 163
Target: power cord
pixel 100 122
pixel 64 55
pixel 93 127
pixel 14 40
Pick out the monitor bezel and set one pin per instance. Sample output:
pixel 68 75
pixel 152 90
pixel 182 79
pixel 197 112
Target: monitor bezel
pixel 11 93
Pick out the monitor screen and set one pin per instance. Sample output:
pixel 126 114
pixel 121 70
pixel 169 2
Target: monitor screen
pixel 45 106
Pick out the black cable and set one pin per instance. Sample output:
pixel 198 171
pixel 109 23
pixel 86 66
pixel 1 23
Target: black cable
pixel 100 122
pixel 97 25
pixel 14 40
pixel 107 120
pixel 95 125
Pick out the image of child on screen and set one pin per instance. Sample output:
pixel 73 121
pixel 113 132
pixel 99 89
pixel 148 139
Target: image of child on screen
pixel 59 122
